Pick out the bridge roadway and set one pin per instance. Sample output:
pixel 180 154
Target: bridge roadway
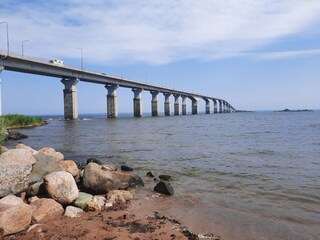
pixel 71 76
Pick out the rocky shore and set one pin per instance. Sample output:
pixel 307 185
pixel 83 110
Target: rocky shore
pixel 44 196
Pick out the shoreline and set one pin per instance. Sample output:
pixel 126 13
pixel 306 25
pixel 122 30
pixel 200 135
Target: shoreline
pixel 116 214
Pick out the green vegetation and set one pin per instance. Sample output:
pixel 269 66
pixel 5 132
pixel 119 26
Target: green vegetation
pixel 3 131
pixel 18 121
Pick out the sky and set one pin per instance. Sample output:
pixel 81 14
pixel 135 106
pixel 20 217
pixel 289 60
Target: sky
pixel 257 55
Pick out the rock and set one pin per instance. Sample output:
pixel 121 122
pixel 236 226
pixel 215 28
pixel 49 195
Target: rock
pixel 15 169
pixel 156 179
pixel 14 135
pixel 45 208
pixel 47 162
pixel 15 216
pixel 3 149
pixel 22 146
pixel 150 174
pixel 165 188
pixel 119 195
pixel 72 212
pixel 69 166
pixel 62 187
pixel 92 206
pixel 32 199
pixel 165 177
pixel 98 181
pixel 109 167
pixel 58 156
pixel 128 179
pixel 83 199
pixel 36 189
pixel 99 200
pixel 126 168
pixel 93 160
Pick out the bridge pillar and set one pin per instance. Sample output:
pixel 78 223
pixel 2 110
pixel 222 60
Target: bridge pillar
pixel 176 104
pixel 215 106
pixel 167 104
pixel 184 105
pixel 220 106
pixel 194 105
pixel 112 102
pixel 154 103
pixel 137 104
pixel 207 105
pixel 224 107
pixel 70 97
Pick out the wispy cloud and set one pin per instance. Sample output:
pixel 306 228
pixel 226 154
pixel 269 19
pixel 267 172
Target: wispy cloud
pixel 155 31
pixel 290 54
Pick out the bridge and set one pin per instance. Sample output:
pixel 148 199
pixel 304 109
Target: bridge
pixel 70 76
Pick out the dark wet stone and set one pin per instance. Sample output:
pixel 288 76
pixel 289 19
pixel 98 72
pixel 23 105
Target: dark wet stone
pixel 136 180
pixel 126 168
pixel 164 188
pixel 150 174
pixel 156 179
pixel 165 177
pixel 14 135
pixel 90 160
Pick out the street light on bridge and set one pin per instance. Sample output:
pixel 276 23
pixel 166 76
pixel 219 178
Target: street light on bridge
pixel 81 57
pixel 22 46
pixel 7 35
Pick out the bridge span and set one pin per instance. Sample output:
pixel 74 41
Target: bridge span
pixel 70 76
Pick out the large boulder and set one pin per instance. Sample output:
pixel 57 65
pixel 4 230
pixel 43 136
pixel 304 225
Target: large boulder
pixel 22 146
pixel 164 188
pixel 15 215
pixel 128 179
pixel 62 187
pixel 69 166
pixel 48 161
pixel 98 181
pixel 15 169
pixel 45 208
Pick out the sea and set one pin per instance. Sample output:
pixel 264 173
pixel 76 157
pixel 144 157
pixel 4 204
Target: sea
pixel 246 175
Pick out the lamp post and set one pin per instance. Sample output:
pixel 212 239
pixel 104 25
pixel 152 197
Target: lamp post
pixel 81 57
pixel 22 46
pixel 7 35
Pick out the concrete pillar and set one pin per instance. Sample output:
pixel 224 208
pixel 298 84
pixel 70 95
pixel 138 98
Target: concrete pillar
pixel 215 106
pixel 154 103
pixel 224 107
pixel 137 104
pixel 70 97
pixel 176 104
pixel 167 104
pixel 194 105
pixel 112 101
pixel 184 105
pixel 220 106
pixel 207 105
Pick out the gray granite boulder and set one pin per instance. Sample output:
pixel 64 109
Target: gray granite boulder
pixel 62 187
pixel 15 169
pixel 15 215
pixel 98 181
pixel 72 212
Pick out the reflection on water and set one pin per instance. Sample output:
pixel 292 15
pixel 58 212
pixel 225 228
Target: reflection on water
pixel 253 171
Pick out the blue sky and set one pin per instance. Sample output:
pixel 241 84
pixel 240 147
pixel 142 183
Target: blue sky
pixel 258 55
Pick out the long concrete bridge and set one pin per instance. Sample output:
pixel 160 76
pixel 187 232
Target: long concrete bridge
pixel 71 76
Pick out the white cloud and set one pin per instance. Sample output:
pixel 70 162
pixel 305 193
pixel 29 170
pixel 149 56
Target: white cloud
pixel 154 31
pixel 290 54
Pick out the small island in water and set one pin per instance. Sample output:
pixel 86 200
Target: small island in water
pixel 299 110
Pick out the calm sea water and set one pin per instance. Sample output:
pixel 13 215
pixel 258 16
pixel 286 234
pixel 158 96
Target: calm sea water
pixel 242 175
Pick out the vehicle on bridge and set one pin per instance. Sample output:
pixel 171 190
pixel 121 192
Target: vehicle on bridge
pixel 56 61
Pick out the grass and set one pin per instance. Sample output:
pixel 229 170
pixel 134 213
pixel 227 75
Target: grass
pixel 18 121
pixel 3 131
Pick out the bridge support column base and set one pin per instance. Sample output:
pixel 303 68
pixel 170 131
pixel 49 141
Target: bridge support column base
pixel 207 110
pixel 137 107
pixel 112 106
pixel 154 108
pixel 70 98
pixel 194 107
pixel 176 109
